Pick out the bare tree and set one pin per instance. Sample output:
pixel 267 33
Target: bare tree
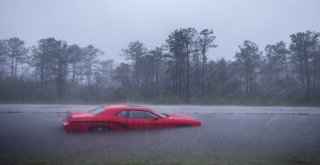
pixel 75 57
pixel 175 46
pixel 123 81
pixel 302 47
pixel 51 60
pixel 277 63
pixel 104 73
pixel 3 57
pixel 135 52
pixel 16 51
pixel 206 40
pixel 248 59
pixel 90 54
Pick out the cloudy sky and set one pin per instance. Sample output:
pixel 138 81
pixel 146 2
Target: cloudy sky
pixel 111 25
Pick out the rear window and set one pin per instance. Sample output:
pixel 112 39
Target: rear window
pixel 97 110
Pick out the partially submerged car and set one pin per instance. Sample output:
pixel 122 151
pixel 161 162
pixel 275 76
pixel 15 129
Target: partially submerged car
pixel 119 117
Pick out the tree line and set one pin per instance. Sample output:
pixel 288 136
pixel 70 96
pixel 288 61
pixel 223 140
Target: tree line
pixel 176 72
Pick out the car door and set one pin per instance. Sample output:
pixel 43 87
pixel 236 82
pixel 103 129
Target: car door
pixel 121 118
pixel 139 119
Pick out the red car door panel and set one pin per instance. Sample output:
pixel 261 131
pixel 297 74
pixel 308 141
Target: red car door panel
pixel 142 119
pixel 141 123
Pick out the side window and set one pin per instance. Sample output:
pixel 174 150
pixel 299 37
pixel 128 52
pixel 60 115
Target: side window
pixel 141 114
pixel 149 115
pixel 122 114
pixel 136 114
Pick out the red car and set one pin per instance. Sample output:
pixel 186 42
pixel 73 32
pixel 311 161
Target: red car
pixel 119 117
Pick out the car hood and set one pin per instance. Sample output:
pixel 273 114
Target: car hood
pixel 176 116
pixel 184 119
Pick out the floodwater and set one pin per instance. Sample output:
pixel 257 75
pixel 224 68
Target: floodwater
pixel 32 134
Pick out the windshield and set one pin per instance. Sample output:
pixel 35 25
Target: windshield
pixel 160 114
pixel 97 110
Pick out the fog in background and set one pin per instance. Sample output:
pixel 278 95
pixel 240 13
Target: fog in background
pixel 112 25
pixel 179 51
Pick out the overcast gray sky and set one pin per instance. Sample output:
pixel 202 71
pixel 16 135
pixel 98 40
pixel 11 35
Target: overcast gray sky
pixel 111 25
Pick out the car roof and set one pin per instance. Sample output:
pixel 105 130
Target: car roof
pixel 122 105
pixel 126 107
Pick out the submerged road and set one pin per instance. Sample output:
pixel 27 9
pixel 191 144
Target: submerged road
pixel 32 134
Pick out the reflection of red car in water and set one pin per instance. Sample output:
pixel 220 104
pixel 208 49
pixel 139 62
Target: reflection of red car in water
pixel 118 117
